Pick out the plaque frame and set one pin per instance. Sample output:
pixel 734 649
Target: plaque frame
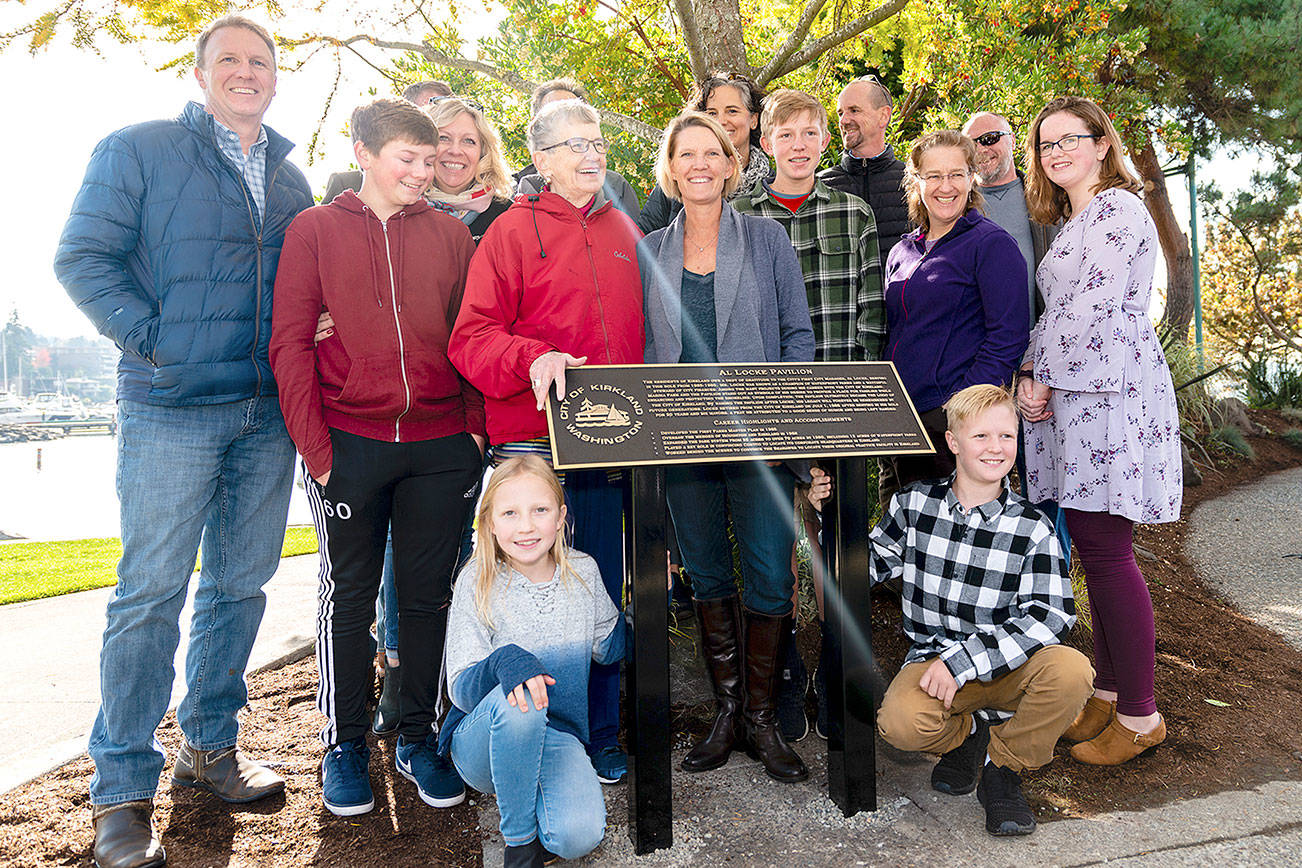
pixel 552 411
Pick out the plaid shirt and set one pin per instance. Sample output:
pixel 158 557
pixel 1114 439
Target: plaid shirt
pixel 835 237
pixel 253 167
pixel 984 589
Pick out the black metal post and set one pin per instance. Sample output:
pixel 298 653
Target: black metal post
pixel 650 810
pixel 851 677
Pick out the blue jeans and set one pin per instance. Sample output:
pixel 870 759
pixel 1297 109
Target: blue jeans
pixel 761 499
pixel 220 476
pixel 387 628
pixel 1049 507
pixel 597 510
pixel 545 784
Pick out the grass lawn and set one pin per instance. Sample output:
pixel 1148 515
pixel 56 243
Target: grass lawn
pixel 31 570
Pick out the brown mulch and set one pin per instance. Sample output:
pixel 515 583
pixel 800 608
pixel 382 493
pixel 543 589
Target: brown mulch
pixel 1206 650
pixel 47 822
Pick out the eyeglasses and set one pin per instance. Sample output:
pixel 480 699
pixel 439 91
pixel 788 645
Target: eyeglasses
pixel 991 138
pixel 1066 143
pixel 874 80
pixel 467 102
pixel 937 177
pixel 580 146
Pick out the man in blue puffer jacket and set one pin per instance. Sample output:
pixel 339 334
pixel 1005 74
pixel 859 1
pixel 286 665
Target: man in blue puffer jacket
pixel 171 251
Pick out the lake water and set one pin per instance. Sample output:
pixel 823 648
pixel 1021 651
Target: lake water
pixel 72 494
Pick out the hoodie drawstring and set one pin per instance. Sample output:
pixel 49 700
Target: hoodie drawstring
pixel 533 209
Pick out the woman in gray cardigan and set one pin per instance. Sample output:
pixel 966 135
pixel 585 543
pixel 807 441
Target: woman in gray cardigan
pixel 719 286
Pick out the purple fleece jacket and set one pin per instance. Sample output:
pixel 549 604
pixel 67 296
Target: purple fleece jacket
pixel 958 315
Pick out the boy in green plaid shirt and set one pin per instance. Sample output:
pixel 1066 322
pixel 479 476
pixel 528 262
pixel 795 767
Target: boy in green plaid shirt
pixel 834 233
pixel 835 237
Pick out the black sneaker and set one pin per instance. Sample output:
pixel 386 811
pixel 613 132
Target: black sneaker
pixel 791 696
pixel 956 773
pixel 1007 813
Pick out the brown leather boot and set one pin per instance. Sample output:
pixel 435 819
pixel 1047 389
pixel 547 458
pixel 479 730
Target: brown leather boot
pixel 125 837
pixel 227 773
pixel 720 624
pixel 766 638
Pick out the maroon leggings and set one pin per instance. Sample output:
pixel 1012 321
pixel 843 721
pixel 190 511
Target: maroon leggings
pixel 1121 611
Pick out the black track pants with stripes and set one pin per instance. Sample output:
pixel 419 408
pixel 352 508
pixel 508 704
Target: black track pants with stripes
pixel 426 488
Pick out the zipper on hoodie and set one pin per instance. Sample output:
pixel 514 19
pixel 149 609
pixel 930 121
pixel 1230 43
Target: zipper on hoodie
pixel 596 284
pixel 904 288
pixel 402 358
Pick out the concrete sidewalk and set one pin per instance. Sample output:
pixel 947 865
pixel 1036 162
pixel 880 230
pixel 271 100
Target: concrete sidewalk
pixel 49 684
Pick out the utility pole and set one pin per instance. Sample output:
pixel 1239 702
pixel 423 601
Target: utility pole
pixel 1193 248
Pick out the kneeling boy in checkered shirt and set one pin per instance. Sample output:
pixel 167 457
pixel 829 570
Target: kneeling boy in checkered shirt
pixel 986 605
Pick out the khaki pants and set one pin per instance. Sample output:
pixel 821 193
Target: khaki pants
pixel 1044 694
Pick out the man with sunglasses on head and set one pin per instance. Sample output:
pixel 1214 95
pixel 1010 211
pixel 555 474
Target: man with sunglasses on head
pixel 868 168
pixel 421 93
pixel 1005 203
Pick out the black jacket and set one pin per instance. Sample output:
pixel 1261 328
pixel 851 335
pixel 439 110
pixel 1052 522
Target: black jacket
pixel 879 181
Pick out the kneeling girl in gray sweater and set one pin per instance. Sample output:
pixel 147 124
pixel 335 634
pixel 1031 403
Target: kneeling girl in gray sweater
pixel 529 615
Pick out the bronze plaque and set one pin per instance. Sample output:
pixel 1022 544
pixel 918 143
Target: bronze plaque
pixel 624 415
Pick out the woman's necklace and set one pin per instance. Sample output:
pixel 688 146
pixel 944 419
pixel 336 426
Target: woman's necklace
pixel 700 248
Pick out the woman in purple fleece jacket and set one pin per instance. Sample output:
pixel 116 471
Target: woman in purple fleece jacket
pixel 956 308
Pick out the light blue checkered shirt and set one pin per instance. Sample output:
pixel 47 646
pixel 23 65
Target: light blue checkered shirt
pixel 253 167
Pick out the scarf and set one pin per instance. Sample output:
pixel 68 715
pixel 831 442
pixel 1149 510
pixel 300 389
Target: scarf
pixel 756 170
pixel 465 206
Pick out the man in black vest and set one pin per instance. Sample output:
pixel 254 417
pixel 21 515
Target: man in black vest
pixel 868 167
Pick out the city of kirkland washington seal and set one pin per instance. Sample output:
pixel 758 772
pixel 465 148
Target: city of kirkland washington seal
pixel 601 414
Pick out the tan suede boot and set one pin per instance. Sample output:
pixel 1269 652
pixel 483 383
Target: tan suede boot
pixel 1118 744
pixel 1092 720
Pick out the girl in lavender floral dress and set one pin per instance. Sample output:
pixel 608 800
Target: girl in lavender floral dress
pixel 1102 434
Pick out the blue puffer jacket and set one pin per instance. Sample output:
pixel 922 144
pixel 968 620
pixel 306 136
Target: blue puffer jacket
pixel 163 254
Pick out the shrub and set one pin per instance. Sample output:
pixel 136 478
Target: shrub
pixel 1293 437
pixel 1273 382
pixel 1232 440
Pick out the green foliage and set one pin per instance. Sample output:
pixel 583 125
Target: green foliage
pixel 1193 400
pixel 1293 437
pixel 34 570
pixel 1231 439
pixel 1274 382
pixel 1076 574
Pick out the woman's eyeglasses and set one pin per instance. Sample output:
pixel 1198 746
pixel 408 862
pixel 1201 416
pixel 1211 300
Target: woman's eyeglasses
pixel 1065 144
pixel 580 146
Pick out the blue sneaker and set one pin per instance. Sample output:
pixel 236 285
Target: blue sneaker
pixel 611 764
pixel 433 774
pixel 346 779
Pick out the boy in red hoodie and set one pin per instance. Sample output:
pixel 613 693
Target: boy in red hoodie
pixel 388 431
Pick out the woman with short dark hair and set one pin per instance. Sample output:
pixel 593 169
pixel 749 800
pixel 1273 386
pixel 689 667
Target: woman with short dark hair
pixel 736 103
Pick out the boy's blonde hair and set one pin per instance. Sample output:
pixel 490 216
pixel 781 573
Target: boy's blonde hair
pixel 489 557
pixel 784 104
pixel 974 400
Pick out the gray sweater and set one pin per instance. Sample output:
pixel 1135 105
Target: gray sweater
pixel 761 310
pixel 558 627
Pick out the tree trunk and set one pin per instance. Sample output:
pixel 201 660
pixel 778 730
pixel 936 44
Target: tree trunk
pixel 1175 244
pixel 719 25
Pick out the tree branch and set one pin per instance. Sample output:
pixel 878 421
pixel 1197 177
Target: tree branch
pixel 815 49
pixel 517 82
pixel 807 16
pixel 1289 340
pixel 691 37
pixel 636 26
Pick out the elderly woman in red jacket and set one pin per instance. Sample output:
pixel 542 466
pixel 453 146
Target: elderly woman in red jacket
pixel 554 285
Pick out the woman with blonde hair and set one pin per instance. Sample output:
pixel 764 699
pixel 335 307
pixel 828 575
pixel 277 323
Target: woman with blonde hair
pixel 1102 433
pixel 720 286
pixel 956 314
pixel 471 179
